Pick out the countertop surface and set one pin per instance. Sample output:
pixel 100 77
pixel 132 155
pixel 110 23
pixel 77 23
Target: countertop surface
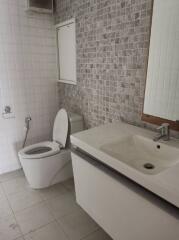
pixel 164 184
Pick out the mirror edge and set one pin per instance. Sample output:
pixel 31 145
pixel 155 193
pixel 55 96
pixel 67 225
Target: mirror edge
pixel 158 121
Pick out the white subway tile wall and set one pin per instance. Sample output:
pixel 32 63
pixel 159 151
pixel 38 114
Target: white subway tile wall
pixel 28 76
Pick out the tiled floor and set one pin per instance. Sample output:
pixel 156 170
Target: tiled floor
pixel 49 214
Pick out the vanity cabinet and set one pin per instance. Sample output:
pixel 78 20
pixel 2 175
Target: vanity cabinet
pixel 122 208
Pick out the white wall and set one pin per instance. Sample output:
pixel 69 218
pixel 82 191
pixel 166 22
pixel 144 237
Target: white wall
pixel 28 77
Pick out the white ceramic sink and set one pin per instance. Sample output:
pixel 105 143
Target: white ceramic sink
pixel 127 148
pixel 142 153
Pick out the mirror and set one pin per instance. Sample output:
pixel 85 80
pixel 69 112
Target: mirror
pixel 162 85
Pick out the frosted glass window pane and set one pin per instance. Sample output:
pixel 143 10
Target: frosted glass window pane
pixel 67 52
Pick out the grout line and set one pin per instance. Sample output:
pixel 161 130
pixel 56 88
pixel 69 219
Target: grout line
pixel 62 229
pixel 97 229
pixel 88 235
pixel 33 205
pixel 36 228
pixel 54 221
pixel 21 210
pixel 19 238
pixel 10 177
pixel 13 213
pixel 57 220
pixel 68 188
pixel 33 231
pixel 60 225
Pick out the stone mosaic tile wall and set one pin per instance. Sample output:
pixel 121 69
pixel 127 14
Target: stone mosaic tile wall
pixel 112 51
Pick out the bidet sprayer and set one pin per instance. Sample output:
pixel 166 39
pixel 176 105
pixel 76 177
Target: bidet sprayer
pixel 27 127
pixel 27 121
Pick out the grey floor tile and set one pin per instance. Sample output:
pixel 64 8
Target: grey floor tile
pixel 5 208
pixel 63 205
pixel 52 231
pixel 15 185
pixel 69 184
pixel 36 210
pixel 53 191
pixel 9 229
pixel 24 199
pixel 78 225
pixel 9 176
pixel 34 217
pixel 2 194
pixel 98 235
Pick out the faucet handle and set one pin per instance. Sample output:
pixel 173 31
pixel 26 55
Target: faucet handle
pixel 160 127
pixel 165 130
pixel 166 125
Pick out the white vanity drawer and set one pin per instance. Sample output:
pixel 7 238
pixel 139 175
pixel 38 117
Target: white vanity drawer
pixel 121 207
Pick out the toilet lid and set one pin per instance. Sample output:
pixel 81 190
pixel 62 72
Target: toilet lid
pixel 60 129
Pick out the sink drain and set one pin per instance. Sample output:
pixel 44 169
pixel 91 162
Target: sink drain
pixel 149 166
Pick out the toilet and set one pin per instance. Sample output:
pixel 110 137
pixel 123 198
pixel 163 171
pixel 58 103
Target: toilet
pixel 47 163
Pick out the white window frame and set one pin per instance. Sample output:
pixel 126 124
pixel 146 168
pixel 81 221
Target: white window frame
pixel 58 26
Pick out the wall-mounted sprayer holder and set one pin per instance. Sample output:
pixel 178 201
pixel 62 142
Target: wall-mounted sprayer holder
pixel 27 127
pixel 27 122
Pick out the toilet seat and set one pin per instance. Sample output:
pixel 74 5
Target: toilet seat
pixel 40 150
pixel 46 149
pixel 60 128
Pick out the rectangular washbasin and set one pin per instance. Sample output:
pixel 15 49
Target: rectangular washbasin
pixel 142 153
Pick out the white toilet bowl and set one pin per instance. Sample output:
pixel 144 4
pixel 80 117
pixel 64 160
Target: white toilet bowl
pixel 47 163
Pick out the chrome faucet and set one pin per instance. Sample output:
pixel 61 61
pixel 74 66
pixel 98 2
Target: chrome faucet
pixel 164 134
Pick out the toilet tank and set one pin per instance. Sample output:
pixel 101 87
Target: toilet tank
pixel 76 123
